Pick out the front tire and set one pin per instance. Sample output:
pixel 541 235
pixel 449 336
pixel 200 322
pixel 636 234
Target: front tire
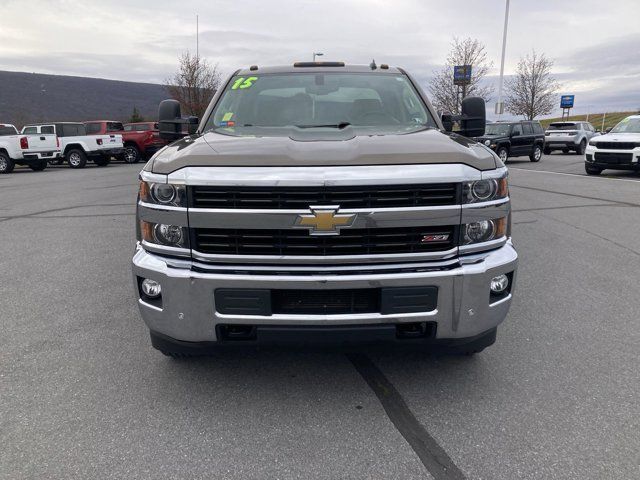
pixel 503 153
pixel 536 155
pixel 131 154
pixel 547 151
pixel 6 164
pixel 581 148
pixel 39 166
pixel 76 158
pixel 592 170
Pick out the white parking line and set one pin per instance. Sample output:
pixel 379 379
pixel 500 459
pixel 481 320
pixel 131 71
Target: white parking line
pixel 572 174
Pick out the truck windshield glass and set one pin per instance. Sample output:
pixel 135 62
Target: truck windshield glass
pixel 628 125
pixel 497 129
pixel 272 104
pixel 562 126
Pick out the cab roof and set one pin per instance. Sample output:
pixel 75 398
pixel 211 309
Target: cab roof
pixel 319 67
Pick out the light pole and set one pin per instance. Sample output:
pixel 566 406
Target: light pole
pixel 317 54
pixel 499 105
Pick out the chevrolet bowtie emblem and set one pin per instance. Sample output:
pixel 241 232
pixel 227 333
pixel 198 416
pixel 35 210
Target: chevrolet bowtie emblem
pixel 325 220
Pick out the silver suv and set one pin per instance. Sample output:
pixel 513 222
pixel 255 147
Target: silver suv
pixel 568 136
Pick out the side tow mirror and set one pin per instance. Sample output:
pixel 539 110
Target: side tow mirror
pixel 474 117
pixel 170 122
pixel 447 122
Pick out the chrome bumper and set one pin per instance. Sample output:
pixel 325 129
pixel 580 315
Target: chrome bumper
pixel 188 310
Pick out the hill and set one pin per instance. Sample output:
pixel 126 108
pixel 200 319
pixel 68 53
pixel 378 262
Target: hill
pixel 34 97
pixel 595 119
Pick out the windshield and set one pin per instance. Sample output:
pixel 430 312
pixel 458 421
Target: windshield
pixel 562 126
pixel 272 104
pixel 497 129
pixel 628 125
pixel 7 130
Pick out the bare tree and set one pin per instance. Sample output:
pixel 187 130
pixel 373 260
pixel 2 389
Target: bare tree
pixel 532 90
pixel 193 84
pixel 468 51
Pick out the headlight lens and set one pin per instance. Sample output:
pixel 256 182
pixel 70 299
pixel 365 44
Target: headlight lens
pixel 485 190
pixel 484 231
pixel 487 142
pixel 163 234
pixel 163 194
pixel 593 144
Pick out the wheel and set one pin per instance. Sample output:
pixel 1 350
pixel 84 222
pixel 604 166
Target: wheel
pixel 131 154
pixel 547 151
pixel 76 158
pixel 39 166
pixel 581 148
pixel 536 155
pixel 592 170
pixel 503 153
pixel 6 164
pixel 102 162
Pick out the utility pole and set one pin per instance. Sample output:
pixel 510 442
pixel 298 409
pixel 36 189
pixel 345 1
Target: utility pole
pixel 499 105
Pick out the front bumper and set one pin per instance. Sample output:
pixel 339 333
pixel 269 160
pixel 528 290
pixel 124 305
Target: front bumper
pixel 188 311
pixel 618 162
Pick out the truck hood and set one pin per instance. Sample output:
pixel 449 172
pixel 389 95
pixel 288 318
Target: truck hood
pixel 307 149
pixel 617 137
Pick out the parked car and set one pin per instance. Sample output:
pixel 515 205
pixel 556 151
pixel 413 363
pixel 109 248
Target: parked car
pixel 141 140
pixel 617 150
pixel 76 146
pixel 515 139
pixel 31 150
pixel 567 136
pixel 323 202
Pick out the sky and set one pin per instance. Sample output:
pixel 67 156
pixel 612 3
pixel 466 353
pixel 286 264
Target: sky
pixel 595 45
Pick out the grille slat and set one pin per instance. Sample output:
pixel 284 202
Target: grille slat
pixel 616 145
pixel 302 197
pixel 358 241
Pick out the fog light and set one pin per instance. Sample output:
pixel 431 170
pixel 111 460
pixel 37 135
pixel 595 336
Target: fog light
pixel 499 284
pixel 151 288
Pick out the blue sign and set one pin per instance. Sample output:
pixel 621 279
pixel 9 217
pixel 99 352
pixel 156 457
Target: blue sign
pixel 462 74
pixel 566 101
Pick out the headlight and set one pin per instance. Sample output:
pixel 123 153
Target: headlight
pixel 487 142
pixel 484 231
pixel 485 190
pixel 593 144
pixel 163 234
pixel 163 194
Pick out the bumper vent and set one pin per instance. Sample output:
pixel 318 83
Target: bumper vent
pixel 353 241
pixel 347 197
pixel 613 158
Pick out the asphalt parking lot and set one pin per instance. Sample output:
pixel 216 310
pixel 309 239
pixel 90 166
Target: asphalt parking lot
pixel 83 395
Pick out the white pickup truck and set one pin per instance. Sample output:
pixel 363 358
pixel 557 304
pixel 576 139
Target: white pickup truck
pixel 31 150
pixel 76 147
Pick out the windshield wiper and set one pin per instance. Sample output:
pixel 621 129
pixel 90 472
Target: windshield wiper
pixel 340 125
